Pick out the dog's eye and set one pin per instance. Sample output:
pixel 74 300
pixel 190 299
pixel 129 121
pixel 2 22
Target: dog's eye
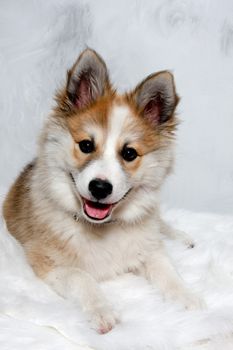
pixel 129 153
pixel 86 146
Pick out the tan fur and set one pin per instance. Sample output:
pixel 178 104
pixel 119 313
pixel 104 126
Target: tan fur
pixel 17 208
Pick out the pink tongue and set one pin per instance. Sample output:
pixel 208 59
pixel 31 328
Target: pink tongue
pixel 95 212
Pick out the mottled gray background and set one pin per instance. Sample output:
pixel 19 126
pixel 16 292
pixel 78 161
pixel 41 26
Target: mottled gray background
pixel 39 40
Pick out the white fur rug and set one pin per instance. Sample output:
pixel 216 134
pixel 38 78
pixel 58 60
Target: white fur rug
pixel 33 317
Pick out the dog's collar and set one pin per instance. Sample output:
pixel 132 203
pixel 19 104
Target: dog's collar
pixel 75 216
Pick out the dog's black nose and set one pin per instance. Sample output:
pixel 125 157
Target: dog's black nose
pixel 100 189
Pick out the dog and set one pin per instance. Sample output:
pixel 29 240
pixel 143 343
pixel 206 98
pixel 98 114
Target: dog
pixel 87 208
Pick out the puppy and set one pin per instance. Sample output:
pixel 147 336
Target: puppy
pixel 87 208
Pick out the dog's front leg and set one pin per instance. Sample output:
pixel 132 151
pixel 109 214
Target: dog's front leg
pixel 159 270
pixel 174 233
pixel 77 285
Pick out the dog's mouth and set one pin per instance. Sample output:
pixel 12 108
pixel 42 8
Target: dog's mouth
pixel 95 210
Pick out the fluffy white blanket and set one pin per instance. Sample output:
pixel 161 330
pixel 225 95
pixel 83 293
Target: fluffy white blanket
pixel 34 317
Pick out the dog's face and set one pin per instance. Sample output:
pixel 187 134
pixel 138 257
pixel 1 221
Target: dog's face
pixel 111 153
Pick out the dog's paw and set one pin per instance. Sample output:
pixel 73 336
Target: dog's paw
pixel 189 300
pixel 185 239
pixel 104 319
pixel 195 303
pixel 192 301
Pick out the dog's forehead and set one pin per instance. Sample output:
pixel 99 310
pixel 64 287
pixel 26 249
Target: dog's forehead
pixel 111 123
pixel 124 127
pixel 119 119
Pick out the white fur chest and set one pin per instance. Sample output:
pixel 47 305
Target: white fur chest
pixel 113 250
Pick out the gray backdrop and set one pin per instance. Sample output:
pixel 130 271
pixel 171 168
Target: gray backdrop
pixel 39 40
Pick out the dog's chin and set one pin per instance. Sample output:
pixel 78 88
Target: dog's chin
pixel 95 212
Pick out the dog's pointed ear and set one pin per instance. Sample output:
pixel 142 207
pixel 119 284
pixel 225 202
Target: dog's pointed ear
pixel 155 97
pixel 87 79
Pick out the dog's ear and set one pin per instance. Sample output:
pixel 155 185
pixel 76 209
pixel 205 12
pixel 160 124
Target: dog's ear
pixel 87 80
pixel 155 97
